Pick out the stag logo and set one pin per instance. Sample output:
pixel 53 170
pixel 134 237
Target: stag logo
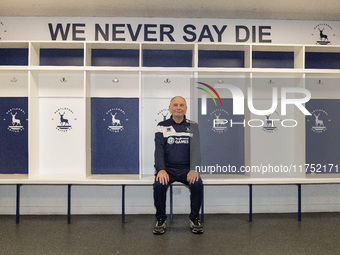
pixel 323 35
pixel 270 125
pixel 219 121
pixel 15 118
pixel 115 117
pixel 64 118
pixel 320 121
pixel 162 115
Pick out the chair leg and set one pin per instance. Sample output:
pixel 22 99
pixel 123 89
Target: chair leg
pixel 171 204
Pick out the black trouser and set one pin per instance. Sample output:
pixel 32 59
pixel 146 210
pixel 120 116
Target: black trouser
pixel 180 175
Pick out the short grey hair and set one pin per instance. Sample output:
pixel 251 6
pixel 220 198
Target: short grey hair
pixel 179 97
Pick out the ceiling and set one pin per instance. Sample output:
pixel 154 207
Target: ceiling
pixel 326 10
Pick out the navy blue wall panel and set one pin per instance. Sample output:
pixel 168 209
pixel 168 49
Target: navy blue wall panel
pixel 268 59
pixel 218 58
pixel 322 134
pixel 167 58
pixel 61 57
pixel 322 60
pixel 15 57
pixel 115 135
pixel 221 144
pixel 114 57
pixel 14 135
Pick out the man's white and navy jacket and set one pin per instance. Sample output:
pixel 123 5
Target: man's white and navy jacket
pixel 177 145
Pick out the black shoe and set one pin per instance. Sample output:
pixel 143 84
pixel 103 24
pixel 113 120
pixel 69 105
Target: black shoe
pixel 160 227
pixel 196 226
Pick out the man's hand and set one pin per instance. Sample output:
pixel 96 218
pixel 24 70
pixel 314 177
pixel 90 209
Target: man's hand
pixel 192 176
pixel 162 177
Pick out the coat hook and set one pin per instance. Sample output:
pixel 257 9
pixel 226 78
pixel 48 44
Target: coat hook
pixel 63 79
pixel 319 82
pixel 220 81
pixel 271 82
pixel 14 79
pixel 115 80
pixel 167 80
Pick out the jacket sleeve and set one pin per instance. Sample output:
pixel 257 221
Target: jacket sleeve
pixel 195 147
pixel 159 149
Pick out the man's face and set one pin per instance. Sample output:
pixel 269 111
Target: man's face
pixel 178 107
